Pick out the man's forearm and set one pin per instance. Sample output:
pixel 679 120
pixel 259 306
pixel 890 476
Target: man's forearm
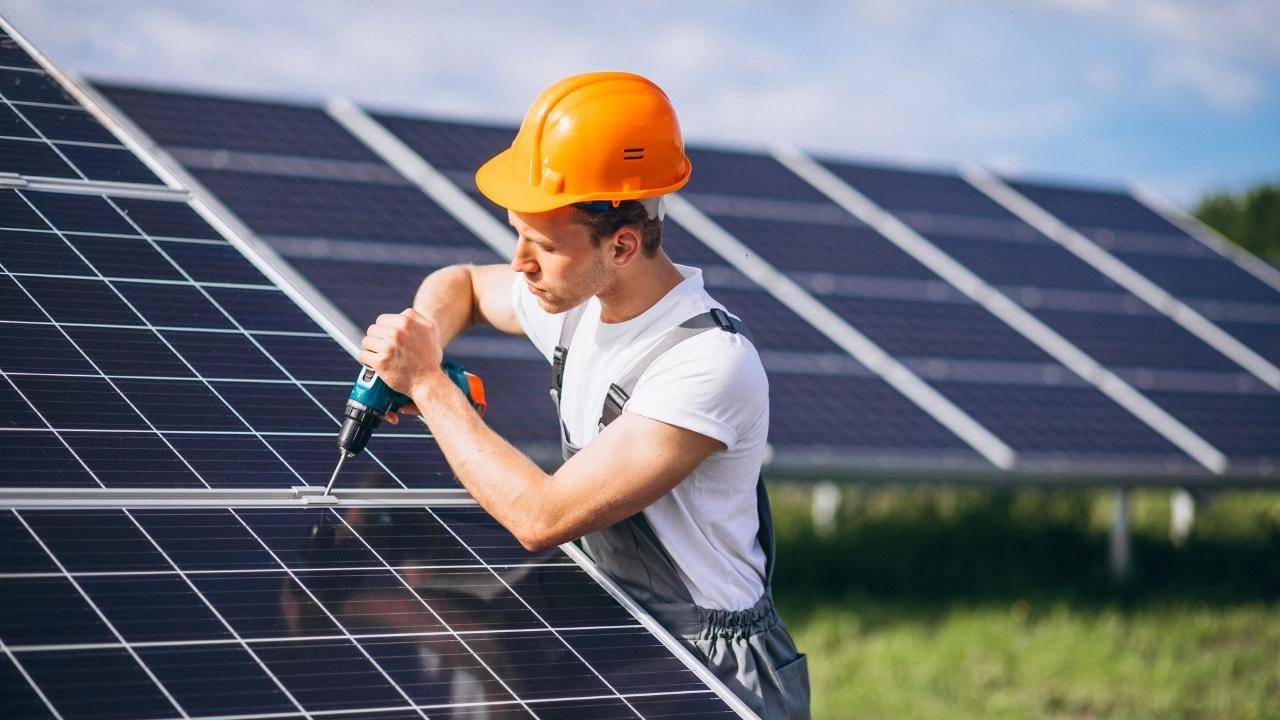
pixel 501 478
pixel 447 296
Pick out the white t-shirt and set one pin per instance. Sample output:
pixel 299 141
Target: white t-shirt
pixel 712 384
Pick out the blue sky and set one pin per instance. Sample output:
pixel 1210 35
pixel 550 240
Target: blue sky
pixel 1181 96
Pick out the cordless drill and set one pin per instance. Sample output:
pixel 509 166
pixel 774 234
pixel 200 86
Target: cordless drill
pixel 371 399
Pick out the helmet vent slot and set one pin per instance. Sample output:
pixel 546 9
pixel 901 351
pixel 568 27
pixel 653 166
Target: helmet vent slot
pixel 635 153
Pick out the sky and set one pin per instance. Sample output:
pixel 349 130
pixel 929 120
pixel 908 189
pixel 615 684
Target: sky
pixel 1183 97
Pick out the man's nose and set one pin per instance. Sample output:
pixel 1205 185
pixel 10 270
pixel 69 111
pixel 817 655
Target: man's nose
pixel 522 259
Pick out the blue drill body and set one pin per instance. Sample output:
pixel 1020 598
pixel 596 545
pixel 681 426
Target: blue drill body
pixel 371 398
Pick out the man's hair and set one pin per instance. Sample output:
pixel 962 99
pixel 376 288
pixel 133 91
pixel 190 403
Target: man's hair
pixel 604 223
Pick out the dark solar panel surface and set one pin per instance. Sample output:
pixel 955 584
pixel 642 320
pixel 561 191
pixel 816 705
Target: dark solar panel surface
pixel 901 305
pixel 125 355
pixel 1166 255
pixel 45 132
pixel 224 611
pixel 1130 335
pixel 364 245
pixel 226 123
pixel 454 148
pixel 1237 420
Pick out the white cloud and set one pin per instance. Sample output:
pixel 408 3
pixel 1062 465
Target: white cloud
pixel 1221 50
pixel 1223 87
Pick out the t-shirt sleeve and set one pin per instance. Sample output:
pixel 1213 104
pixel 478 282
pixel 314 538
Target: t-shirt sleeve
pixel 541 327
pixel 712 384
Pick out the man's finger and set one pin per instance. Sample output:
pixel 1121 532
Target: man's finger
pixel 391 417
pixel 367 358
pixel 380 331
pixel 388 319
pixel 409 409
pixel 374 344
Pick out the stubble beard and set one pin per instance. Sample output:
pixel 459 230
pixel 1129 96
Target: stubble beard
pixel 591 282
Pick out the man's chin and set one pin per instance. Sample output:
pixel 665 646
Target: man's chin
pixel 554 306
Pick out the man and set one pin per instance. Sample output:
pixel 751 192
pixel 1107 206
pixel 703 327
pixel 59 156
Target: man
pixel 663 402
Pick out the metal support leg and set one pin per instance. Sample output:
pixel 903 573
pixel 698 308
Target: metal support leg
pixel 825 507
pixel 1120 552
pixel 1182 514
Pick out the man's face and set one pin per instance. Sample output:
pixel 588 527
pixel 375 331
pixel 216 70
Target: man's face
pixel 555 255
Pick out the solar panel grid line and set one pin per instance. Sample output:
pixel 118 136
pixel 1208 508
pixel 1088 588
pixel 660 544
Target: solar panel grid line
pixel 842 333
pixel 42 137
pixel 152 281
pixel 203 379
pixel 1004 308
pixel 165 341
pixel 88 103
pixel 652 625
pixel 102 616
pixel 421 173
pixel 1175 215
pixel 212 608
pixel 286 566
pixel 522 600
pixel 411 590
pixel 229 226
pixel 238 640
pixel 1123 274
pixel 30 682
pixel 310 569
pixel 300 385
pixel 290 572
pixel 184 328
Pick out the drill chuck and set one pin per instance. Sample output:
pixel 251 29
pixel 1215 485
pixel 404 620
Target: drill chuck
pixel 357 427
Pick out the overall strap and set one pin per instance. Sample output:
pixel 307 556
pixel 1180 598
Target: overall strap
pixel 558 359
pixel 620 391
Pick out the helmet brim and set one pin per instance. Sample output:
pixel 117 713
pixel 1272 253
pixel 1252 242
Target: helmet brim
pixel 497 181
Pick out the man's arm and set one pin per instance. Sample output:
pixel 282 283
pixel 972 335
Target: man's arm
pixel 632 463
pixel 458 297
pixel 628 466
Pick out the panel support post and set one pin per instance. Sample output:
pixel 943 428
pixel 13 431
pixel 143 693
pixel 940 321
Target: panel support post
pixel 825 507
pixel 1182 515
pixel 1120 552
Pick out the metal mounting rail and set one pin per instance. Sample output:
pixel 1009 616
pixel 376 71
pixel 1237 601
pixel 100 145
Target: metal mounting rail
pixel 302 496
pixel 17 181
pixel 433 183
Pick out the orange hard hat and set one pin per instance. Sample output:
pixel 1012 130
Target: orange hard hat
pixel 596 136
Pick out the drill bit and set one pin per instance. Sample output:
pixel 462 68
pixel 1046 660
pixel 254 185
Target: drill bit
pixel 342 457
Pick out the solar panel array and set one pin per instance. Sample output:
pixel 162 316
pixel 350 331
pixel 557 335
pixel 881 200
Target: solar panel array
pixel 142 351
pixel 1235 412
pixel 826 406
pixel 985 367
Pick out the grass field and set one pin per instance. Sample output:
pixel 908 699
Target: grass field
pixel 948 603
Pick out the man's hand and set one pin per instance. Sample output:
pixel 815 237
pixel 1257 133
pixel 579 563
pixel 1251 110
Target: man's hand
pixel 404 349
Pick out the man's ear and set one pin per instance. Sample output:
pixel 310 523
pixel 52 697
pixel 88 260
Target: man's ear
pixel 626 246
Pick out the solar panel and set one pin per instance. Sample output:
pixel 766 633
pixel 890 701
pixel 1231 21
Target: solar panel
pixel 972 357
pixel 45 132
pixel 355 229
pixel 1232 410
pixel 141 351
pixel 226 611
pixel 183 367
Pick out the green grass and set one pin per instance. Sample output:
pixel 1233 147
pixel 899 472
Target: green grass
pixel 946 603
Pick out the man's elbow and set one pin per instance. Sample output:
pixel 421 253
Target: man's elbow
pixel 537 536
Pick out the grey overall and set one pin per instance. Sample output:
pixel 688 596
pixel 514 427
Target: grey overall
pixel 749 650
